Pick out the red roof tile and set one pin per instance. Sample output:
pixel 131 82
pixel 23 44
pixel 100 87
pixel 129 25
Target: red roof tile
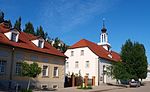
pixel 97 49
pixel 25 43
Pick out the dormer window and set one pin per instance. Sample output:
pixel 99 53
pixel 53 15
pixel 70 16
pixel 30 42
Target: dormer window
pixel 40 43
pixel 14 37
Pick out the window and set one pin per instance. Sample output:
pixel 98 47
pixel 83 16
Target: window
pixel 55 72
pixel 40 44
pixel 72 53
pixel 34 58
pixel 18 68
pixel 55 86
pixel 19 56
pixel 67 64
pixel 82 52
pixel 44 86
pixel 13 37
pixel 76 64
pixel 87 74
pixel 87 64
pixel 2 66
pixel 45 70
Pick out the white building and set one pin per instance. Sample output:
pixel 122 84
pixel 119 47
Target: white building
pixel 91 59
pixel 148 74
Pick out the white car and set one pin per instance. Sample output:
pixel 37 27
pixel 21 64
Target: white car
pixel 134 83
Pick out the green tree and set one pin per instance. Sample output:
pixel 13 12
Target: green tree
pixel 1 16
pixel 9 23
pixel 18 24
pixel 29 28
pixel 40 32
pixel 134 62
pixel 30 70
pixel 140 59
pixel 119 71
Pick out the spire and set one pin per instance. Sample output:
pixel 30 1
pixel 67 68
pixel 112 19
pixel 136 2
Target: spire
pixel 103 28
pixel 103 22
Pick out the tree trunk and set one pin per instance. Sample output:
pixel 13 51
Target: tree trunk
pixel 28 85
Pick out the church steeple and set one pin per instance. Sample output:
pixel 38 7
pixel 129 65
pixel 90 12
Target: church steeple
pixel 103 28
pixel 104 37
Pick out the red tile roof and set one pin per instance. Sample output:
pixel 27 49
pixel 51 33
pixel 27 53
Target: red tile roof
pixel 25 42
pixel 97 49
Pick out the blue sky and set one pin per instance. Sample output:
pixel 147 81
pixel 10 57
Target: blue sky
pixel 72 20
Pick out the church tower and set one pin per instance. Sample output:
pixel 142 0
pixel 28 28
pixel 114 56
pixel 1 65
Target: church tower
pixel 104 38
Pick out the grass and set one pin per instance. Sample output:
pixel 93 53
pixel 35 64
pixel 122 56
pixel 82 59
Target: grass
pixel 84 87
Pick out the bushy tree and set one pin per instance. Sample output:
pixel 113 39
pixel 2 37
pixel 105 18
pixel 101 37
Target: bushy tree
pixel 134 62
pixel 18 24
pixel 29 28
pixel 40 32
pixel 30 70
pixel 1 16
pixel 119 71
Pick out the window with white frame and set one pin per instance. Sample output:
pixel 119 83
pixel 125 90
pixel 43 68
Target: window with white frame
pixel 18 68
pixel 87 64
pixel 55 73
pixel 45 70
pixel 2 66
pixel 72 53
pixel 82 52
pixel 76 64
pixel 14 37
pixel 40 44
pixel 67 64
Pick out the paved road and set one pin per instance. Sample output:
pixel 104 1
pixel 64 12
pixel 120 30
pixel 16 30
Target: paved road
pixel 145 88
pixel 105 88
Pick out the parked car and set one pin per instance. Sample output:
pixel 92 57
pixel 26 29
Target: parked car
pixel 134 83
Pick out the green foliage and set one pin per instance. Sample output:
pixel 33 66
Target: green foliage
pixel 40 32
pixel 84 87
pixel 119 71
pixel 18 24
pixel 30 70
pixel 134 62
pixel 9 23
pixel 58 44
pixel 29 28
pixel 1 16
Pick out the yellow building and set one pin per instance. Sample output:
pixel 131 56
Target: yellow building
pixel 17 47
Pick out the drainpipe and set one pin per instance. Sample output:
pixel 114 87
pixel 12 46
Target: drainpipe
pixel 98 70
pixel 11 67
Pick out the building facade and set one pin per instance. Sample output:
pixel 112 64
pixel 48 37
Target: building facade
pixel 17 47
pixel 91 59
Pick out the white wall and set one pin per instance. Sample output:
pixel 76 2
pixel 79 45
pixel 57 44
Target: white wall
pixel 148 74
pixel 104 78
pixel 88 56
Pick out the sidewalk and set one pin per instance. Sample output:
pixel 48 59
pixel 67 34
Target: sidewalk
pixel 100 88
